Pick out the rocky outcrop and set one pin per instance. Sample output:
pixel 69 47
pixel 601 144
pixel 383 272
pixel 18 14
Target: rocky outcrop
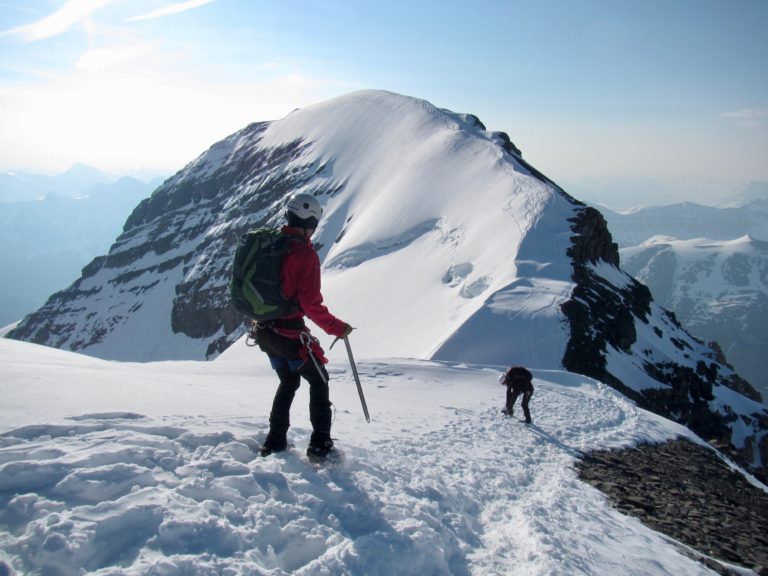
pixel 689 493
pixel 592 240
pixel 600 314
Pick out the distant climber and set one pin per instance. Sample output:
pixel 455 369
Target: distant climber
pixel 293 352
pixel 518 380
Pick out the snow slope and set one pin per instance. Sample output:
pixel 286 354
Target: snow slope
pixel 114 468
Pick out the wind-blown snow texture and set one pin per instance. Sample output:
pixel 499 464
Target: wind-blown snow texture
pixel 119 468
pixel 438 241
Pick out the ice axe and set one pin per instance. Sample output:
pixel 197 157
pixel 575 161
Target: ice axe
pixel 355 374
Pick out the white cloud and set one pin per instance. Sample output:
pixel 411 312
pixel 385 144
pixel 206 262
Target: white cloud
pixel 60 21
pixel 105 58
pixel 747 117
pixel 172 9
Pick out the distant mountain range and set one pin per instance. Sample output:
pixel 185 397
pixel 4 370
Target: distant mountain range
pixel 717 289
pixel 80 180
pixel 45 242
pixel 438 241
pixel 709 266
pixel 688 220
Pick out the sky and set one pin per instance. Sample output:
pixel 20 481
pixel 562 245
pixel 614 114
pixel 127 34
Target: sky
pixel 649 97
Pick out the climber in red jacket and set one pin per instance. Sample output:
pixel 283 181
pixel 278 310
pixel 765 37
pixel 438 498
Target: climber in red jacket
pixel 293 352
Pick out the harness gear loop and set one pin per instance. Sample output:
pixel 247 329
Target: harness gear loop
pixel 308 341
pixel 251 340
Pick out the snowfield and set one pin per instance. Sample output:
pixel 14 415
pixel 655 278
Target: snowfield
pixel 119 468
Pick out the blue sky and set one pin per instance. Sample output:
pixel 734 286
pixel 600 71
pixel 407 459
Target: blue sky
pixel 669 93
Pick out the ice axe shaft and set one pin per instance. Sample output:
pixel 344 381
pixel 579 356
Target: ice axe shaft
pixel 357 379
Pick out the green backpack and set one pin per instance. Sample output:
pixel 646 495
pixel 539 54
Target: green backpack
pixel 255 284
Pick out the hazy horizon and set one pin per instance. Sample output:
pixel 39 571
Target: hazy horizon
pixel 616 192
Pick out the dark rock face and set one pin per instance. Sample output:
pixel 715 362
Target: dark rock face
pixel 593 241
pixel 507 144
pixel 607 315
pixel 688 492
pixel 598 311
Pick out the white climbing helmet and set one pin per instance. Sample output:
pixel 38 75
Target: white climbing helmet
pixel 305 206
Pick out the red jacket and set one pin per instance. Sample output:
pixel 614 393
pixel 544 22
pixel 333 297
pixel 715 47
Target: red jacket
pixel 300 279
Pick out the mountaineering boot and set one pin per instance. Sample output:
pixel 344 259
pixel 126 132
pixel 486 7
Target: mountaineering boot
pixel 273 443
pixel 266 451
pixel 527 413
pixel 507 411
pixel 319 450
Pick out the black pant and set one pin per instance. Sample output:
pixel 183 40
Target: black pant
pixel 285 358
pixel 513 393
pixel 320 414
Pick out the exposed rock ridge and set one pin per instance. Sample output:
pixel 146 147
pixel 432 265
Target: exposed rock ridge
pixel 597 311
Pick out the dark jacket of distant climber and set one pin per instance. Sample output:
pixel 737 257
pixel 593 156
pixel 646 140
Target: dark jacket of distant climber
pixel 519 381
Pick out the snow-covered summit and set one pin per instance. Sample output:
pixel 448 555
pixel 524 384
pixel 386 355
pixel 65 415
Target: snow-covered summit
pixel 424 217
pixel 438 241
